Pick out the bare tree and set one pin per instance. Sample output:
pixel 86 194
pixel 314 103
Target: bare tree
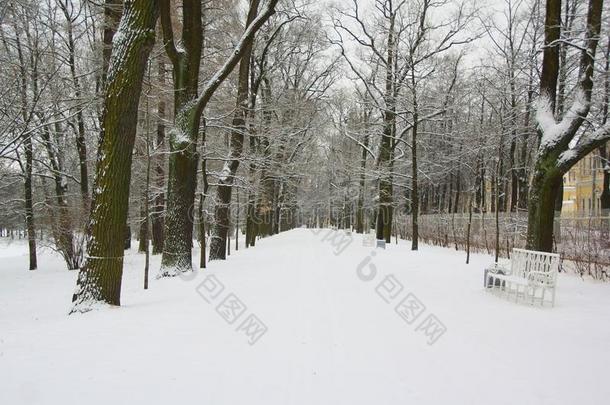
pixel 183 137
pixel 224 188
pixel 99 280
pixel 555 156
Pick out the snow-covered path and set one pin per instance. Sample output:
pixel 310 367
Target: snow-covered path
pixel 331 337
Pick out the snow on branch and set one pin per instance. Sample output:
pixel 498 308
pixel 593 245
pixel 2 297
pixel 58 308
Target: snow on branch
pixel 588 143
pixel 235 57
pixel 557 133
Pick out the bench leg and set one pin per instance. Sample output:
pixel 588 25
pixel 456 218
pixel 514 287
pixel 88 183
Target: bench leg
pixel 492 280
pixel 533 295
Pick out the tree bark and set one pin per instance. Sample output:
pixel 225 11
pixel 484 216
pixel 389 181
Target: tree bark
pixel 550 64
pixel 113 9
pixel 225 186
pixel 604 199
pixel 251 217
pixel 360 207
pixel 146 234
pixel 183 139
pixel 204 193
pixel 99 280
pixel 29 202
pixel 62 215
pixel 414 186
pixel 159 202
pixel 29 158
pixel 385 153
pixel 551 163
pixel 183 158
pixel 265 210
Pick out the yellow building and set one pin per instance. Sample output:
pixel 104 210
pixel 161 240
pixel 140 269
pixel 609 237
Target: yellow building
pixel 582 187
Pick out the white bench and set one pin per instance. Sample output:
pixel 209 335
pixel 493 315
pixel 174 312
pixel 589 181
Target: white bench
pixel 532 274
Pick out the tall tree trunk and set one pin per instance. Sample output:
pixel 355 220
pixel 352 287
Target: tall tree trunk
pixel 542 198
pixel 362 191
pixel 568 22
pixel 385 153
pixel 265 210
pixel 62 214
pixel 99 280
pixel 226 181
pixel 183 139
pixel 570 15
pixel 387 230
pixel 551 163
pixel 183 158
pixel 604 199
pixel 511 182
pixel 545 183
pixel 251 219
pixel 414 186
pixel 81 144
pixel 29 156
pixel 29 201
pixel 143 231
pixel 146 234
pixel 237 220
pixel 458 191
pixel 159 202
pixel 113 10
pixel 550 63
pixel 525 154
pixel 144 192
pixel 468 228
pixel 202 236
pixel 514 177
pixel 278 201
pixel 497 211
pixel 204 193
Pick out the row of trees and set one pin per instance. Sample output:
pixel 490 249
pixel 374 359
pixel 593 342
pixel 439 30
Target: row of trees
pixel 286 114
pixel 462 135
pixel 128 61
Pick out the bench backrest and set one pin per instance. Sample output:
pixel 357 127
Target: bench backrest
pixel 524 261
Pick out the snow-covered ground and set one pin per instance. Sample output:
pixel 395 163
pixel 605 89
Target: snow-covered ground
pixel 329 336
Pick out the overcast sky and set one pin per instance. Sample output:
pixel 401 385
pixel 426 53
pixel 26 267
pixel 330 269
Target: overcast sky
pixel 475 52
